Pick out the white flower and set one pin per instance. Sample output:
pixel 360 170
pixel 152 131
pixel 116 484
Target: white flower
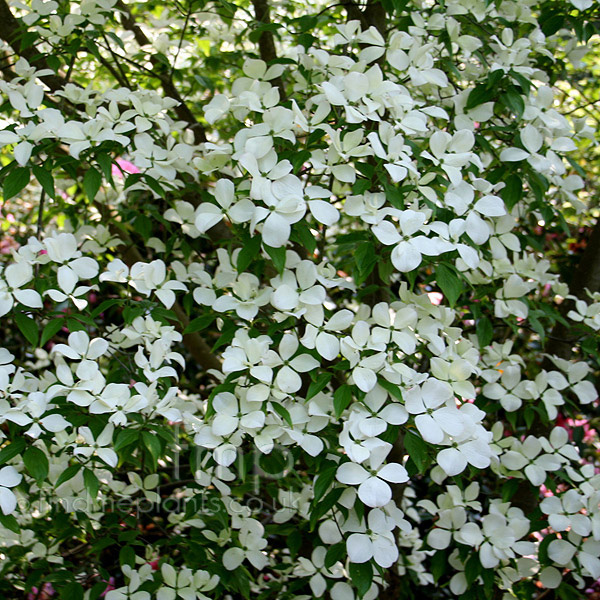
pixel 208 215
pixel 564 512
pixel 38 405
pixel 246 299
pixel 231 414
pixel 287 378
pixel 131 590
pixel 528 455
pixel 372 487
pixel 184 583
pixel 12 278
pixel 97 446
pixel 79 347
pixel 116 399
pixel 450 521
pixel 409 248
pixel 252 543
pixel 377 542
pixel 9 478
pixel 431 420
pixel 564 551
pixel 321 338
pixel 315 569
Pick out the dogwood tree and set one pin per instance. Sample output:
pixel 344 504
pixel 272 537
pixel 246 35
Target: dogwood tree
pixel 298 299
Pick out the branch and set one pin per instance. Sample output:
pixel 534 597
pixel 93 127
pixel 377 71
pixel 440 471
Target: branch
pixel 195 344
pixel 373 15
pixel 182 110
pixel 266 41
pixel 585 277
pixel 10 32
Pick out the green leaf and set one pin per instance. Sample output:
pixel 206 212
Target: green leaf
pixel 301 234
pixel 16 180
pixel 239 580
pixel 72 591
pixel 92 485
pixel 513 100
pixel 485 331
pixel 283 412
pixel 325 505
pixel 392 388
pixel 13 449
pixel 36 463
pixel 127 556
pixel 255 35
pixel 509 489
pixel 316 386
pixel 91 183
pixel 199 323
pixel 529 416
pixel 543 547
pixel 523 82
pixel 105 163
pixel 551 25
pixel 248 253
pixel 365 258
pixel 105 306
pixel 416 448
pixel 293 542
pixel 472 568
pixel 45 178
pixel 152 443
pixel 277 256
pixel 341 399
pixel 568 592
pixel 512 191
pixel 67 474
pixel 494 78
pixel 154 185
pixel 449 282
pixel 10 522
pixel 323 482
pixel 438 565
pixel 50 329
pixel 336 553
pixel 362 576
pixel 143 226
pixel 480 94
pixel 97 590
pixel 28 327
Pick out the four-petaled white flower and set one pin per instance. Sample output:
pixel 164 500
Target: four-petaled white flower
pixel 372 482
pixel 9 478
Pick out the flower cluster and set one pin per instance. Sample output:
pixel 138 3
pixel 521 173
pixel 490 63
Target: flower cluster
pixel 280 324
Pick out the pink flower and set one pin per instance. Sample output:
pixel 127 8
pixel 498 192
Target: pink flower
pixel 110 586
pixel 435 298
pixel 45 594
pixel 7 244
pixel 123 166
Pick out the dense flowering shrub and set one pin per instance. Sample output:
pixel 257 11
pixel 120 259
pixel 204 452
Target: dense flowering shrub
pixel 291 303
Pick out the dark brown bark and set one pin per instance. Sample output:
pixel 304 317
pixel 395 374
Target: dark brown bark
pixel 11 32
pixel 266 41
pixel 372 16
pixel 182 110
pixel 194 343
pixel 585 277
pixel 561 343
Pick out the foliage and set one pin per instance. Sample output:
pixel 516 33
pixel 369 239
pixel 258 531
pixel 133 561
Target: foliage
pixel 299 300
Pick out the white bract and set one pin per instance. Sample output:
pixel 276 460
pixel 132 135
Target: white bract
pixel 298 300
